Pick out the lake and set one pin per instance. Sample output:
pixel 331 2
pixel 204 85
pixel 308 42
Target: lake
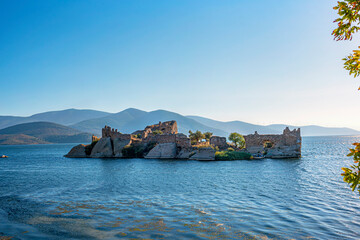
pixel 46 196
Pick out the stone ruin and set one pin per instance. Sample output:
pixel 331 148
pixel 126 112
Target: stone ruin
pixel 286 145
pixel 169 127
pixel 219 142
pixel 164 141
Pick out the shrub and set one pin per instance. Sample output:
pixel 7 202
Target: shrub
pixel 232 155
pixel 230 149
pixel 157 132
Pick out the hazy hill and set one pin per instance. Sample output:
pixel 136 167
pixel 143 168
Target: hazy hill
pixel 19 139
pixel 64 117
pixel 313 130
pixel 42 132
pixel 235 126
pixel 184 124
pixel 116 120
pixel 247 128
pixel 132 119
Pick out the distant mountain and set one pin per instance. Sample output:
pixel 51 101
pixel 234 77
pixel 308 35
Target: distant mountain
pixel 247 128
pixel 42 132
pixel 313 130
pixel 116 120
pixel 64 117
pixel 132 119
pixel 236 126
pixel 19 139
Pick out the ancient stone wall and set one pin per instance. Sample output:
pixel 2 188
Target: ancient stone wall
pixel 282 145
pixel 169 127
pixel 217 141
pixel 114 134
pixel 180 139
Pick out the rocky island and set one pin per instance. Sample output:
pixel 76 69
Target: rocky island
pixel 162 140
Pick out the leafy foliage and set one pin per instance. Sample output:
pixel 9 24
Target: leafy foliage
pixel 237 139
pixel 352 174
pixel 232 155
pixel 157 132
pixel 196 137
pixel 208 135
pixel 347 25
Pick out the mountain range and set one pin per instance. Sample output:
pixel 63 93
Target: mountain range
pixel 41 133
pixel 73 125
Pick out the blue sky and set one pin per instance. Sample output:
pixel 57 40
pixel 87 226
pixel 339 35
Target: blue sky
pixel 260 61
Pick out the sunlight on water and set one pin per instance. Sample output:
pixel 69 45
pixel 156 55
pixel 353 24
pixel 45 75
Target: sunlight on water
pixel 44 195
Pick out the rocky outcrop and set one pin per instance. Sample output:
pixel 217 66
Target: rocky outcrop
pixel 119 144
pixel 163 150
pixel 163 141
pixel 185 153
pixel 205 154
pixel 77 152
pixel 102 149
pixel 283 152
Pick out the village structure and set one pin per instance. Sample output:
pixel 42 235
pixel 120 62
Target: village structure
pixel 162 140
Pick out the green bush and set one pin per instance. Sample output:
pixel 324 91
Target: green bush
pixel 157 132
pixel 232 155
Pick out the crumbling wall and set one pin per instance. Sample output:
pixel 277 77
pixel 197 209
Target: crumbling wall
pixel 219 142
pixel 169 127
pixel 180 139
pixel 114 134
pixel 287 144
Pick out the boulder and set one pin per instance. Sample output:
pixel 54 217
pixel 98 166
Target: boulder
pixel 119 144
pixel 77 152
pixel 284 152
pixel 185 153
pixel 102 149
pixel 205 154
pixel 163 150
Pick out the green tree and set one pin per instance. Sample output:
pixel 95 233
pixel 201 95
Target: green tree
pixel 347 25
pixel 351 175
pixel 208 135
pixel 237 139
pixel 196 137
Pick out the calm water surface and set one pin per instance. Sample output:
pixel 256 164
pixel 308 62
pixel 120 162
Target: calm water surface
pixel 46 196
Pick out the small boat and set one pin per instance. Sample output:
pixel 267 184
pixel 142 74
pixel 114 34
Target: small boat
pixel 3 156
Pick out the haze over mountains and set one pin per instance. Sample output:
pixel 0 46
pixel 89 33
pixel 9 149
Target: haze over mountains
pixel 49 127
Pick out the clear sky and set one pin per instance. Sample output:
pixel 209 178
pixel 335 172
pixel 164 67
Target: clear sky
pixel 259 61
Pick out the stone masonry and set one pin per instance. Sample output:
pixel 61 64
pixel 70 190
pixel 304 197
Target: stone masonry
pixel 283 145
